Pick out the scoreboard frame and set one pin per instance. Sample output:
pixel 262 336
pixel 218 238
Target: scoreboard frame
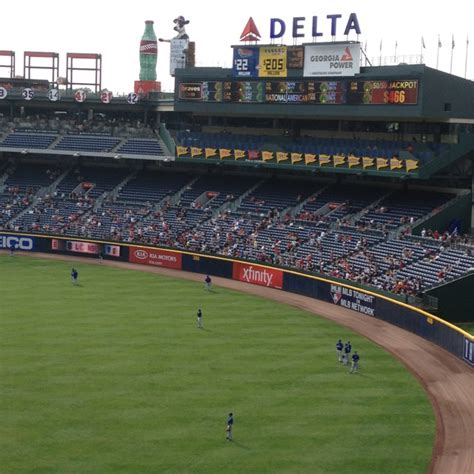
pixel 303 91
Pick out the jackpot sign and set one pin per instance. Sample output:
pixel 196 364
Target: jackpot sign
pixel 331 59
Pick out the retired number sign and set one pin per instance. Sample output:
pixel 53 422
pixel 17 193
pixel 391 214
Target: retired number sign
pixel 53 95
pixel 28 94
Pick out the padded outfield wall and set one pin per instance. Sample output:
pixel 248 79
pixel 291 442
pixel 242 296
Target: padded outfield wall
pixel 366 303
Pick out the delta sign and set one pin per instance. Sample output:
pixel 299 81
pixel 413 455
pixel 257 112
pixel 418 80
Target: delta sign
pixel 278 27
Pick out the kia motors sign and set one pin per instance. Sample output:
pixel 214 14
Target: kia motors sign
pixel 331 59
pixel 257 275
pixel 156 257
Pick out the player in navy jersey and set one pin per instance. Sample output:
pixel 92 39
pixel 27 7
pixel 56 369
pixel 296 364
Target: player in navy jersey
pixel 230 425
pixel 355 362
pixel 339 347
pixel 199 319
pixel 208 282
pixel 74 276
pixel 347 352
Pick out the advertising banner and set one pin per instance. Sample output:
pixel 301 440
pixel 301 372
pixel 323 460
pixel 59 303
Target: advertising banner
pixel 337 59
pixel 156 257
pixel 469 351
pixel 18 242
pixel 257 275
pixel 245 62
pixel 353 299
pixel 272 61
pixel 178 48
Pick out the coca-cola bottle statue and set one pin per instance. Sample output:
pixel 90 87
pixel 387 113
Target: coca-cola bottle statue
pixel 148 53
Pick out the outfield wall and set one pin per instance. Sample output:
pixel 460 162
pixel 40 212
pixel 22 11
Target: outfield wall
pixel 366 303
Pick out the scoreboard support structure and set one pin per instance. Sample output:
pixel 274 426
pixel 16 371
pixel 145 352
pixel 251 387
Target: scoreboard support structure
pixel 53 65
pixel 96 70
pixel 11 64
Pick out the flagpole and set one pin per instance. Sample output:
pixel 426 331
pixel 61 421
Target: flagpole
pixel 465 65
pixel 380 59
pixel 396 46
pixel 452 54
pixel 437 53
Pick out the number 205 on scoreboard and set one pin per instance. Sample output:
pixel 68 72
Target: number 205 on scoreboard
pixel 272 61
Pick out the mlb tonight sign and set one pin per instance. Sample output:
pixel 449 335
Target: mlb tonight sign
pixel 331 59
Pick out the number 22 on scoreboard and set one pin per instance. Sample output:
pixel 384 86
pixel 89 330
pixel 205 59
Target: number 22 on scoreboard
pixel 241 64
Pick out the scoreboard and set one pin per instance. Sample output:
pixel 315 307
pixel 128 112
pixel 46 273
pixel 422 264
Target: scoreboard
pixel 260 61
pixel 338 92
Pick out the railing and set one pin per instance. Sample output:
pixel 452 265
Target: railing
pixel 167 139
pixel 464 146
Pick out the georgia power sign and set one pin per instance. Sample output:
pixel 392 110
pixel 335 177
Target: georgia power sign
pixel 338 59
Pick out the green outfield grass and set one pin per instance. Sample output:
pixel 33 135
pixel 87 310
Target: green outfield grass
pixel 113 376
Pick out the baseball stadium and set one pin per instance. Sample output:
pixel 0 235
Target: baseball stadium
pixel 301 197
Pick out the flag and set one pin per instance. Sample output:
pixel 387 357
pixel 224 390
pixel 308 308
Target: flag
pixel 296 158
pixel 267 155
pixel 382 163
pixel 367 162
pixel 324 159
pixel 453 44
pixel 439 42
pixel 423 45
pixel 380 45
pixel 210 152
pixel 254 154
pixel 239 154
pixel 224 153
pixel 195 151
pixel 411 165
pixel 309 158
pixel 339 160
pixel 396 164
pixel 353 161
pixel 281 156
pixel 181 150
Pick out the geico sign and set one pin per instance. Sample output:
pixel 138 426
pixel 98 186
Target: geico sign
pixel 20 243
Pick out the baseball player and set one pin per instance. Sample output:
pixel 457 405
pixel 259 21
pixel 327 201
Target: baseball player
pixel 355 362
pixel 208 282
pixel 230 424
pixel 74 276
pixel 199 319
pixel 339 347
pixel 347 352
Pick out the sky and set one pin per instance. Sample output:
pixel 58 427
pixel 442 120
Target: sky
pixel 114 30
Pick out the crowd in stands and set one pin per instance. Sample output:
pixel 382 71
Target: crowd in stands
pixel 99 124
pixel 314 227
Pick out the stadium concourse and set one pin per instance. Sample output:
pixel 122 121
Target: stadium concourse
pixel 357 233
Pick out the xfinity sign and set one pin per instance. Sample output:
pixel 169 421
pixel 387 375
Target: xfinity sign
pixel 300 24
pixel 19 242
